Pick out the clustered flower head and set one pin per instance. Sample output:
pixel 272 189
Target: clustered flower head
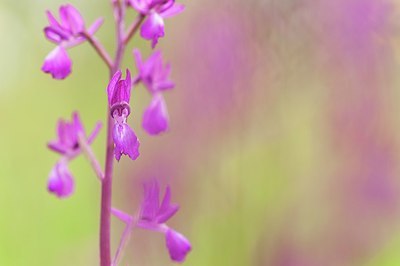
pixel 72 140
pixel 153 216
pixel 70 134
pixel 65 34
pixel 156 11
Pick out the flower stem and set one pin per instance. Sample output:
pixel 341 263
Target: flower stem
pixel 99 48
pixel 91 156
pixel 106 193
pixel 133 28
pixel 106 186
pixel 124 239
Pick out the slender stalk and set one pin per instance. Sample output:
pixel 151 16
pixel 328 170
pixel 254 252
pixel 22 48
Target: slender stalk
pixel 124 239
pixel 106 193
pixel 99 48
pixel 133 28
pixel 91 156
pixel 106 188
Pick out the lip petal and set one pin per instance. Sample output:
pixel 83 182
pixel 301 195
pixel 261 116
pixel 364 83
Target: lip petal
pixel 57 63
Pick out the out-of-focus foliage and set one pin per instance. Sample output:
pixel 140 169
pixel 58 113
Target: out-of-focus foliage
pixel 284 139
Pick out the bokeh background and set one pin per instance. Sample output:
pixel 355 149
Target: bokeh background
pixel 284 141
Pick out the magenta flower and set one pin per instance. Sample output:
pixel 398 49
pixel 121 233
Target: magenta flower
pixel 68 133
pixel 60 182
pixel 153 216
pixel 151 211
pixel 157 11
pixel 66 33
pixel 155 117
pixel 155 76
pixel 119 94
pixel 152 73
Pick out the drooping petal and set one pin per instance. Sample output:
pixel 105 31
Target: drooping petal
pixel 155 117
pixel 178 246
pixel 60 182
pixel 57 63
pixel 153 28
pixel 125 141
pixel 173 11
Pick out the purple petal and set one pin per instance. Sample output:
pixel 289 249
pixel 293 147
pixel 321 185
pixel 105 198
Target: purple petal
pixel 77 124
pixel 61 182
pixel 57 63
pixel 111 85
pixel 167 210
pixel 138 58
pixel 71 19
pixel 95 26
pixel 148 70
pixel 94 133
pixel 153 28
pixel 126 218
pixel 125 141
pixel 173 11
pixel 155 117
pixel 56 147
pixel 178 246
pixel 52 21
pixel 150 204
pixel 152 72
pixel 54 35
pixel 124 92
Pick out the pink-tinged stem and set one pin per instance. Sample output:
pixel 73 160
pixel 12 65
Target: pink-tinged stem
pixel 124 239
pixel 133 28
pixel 106 188
pixel 106 193
pixel 90 155
pixel 101 51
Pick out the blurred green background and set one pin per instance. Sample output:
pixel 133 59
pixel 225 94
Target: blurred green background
pixel 284 141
